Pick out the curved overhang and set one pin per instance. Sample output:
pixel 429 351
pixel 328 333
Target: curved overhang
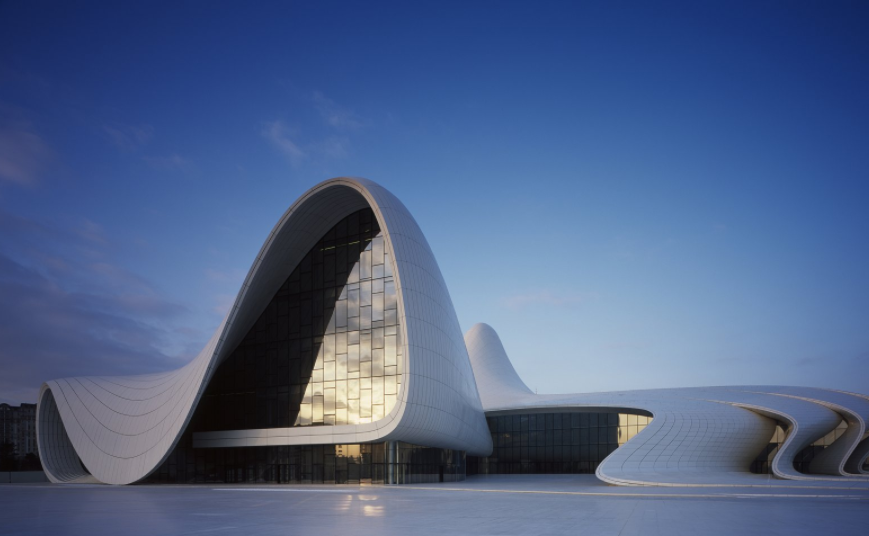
pixel 705 436
pixel 801 432
pixel 122 428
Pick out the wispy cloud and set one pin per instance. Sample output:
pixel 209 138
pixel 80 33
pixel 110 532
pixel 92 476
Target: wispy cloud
pixel 811 361
pixel 23 155
pixel 624 347
pixel 221 276
pixel 329 141
pixel 129 137
pixel 332 147
pixel 70 310
pixel 91 231
pixel 277 133
pixel 170 163
pixel 541 297
pixel 336 116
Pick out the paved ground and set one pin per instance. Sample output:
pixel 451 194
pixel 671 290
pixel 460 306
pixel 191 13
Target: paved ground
pixel 527 505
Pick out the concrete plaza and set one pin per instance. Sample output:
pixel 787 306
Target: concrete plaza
pixel 533 504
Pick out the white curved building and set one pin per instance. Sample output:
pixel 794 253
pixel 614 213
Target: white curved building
pixel 691 436
pixel 342 360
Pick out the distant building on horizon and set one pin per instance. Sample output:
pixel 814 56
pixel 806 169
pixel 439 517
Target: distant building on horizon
pixel 18 426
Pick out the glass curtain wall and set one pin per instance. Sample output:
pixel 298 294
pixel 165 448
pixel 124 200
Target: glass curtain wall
pixel 416 465
pixel 327 348
pixel 310 464
pixel 325 351
pixel 570 442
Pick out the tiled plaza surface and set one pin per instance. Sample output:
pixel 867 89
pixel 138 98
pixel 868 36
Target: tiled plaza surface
pixel 533 504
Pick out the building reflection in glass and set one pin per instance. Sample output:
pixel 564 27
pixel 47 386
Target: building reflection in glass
pixel 326 350
pixel 365 463
pixel 357 372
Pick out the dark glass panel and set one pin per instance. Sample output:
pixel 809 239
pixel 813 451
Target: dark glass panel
pixel 568 442
pixel 340 464
pixel 284 350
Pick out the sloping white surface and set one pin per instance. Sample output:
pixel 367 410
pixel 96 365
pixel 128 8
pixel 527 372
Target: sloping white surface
pixel 698 436
pixel 122 428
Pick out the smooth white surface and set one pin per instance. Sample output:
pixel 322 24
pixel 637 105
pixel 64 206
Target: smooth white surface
pixel 698 436
pixel 123 428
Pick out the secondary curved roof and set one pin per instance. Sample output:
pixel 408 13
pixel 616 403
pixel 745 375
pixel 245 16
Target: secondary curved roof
pixel 698 436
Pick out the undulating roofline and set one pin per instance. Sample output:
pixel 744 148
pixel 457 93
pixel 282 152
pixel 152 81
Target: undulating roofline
pixel 698 436
pixel 119 430
pixel 122 428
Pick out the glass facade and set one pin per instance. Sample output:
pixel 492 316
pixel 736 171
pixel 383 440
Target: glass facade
pixel 310 464
pixel 279 464
pixel 763 462
pixel 325 351
pixel 570 442
pixel 415 465
pixel 327 348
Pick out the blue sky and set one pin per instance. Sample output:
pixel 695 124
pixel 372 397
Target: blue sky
pixel 634 195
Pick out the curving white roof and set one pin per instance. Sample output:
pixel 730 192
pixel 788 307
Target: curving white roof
pixel 698 436
pixel 122 428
